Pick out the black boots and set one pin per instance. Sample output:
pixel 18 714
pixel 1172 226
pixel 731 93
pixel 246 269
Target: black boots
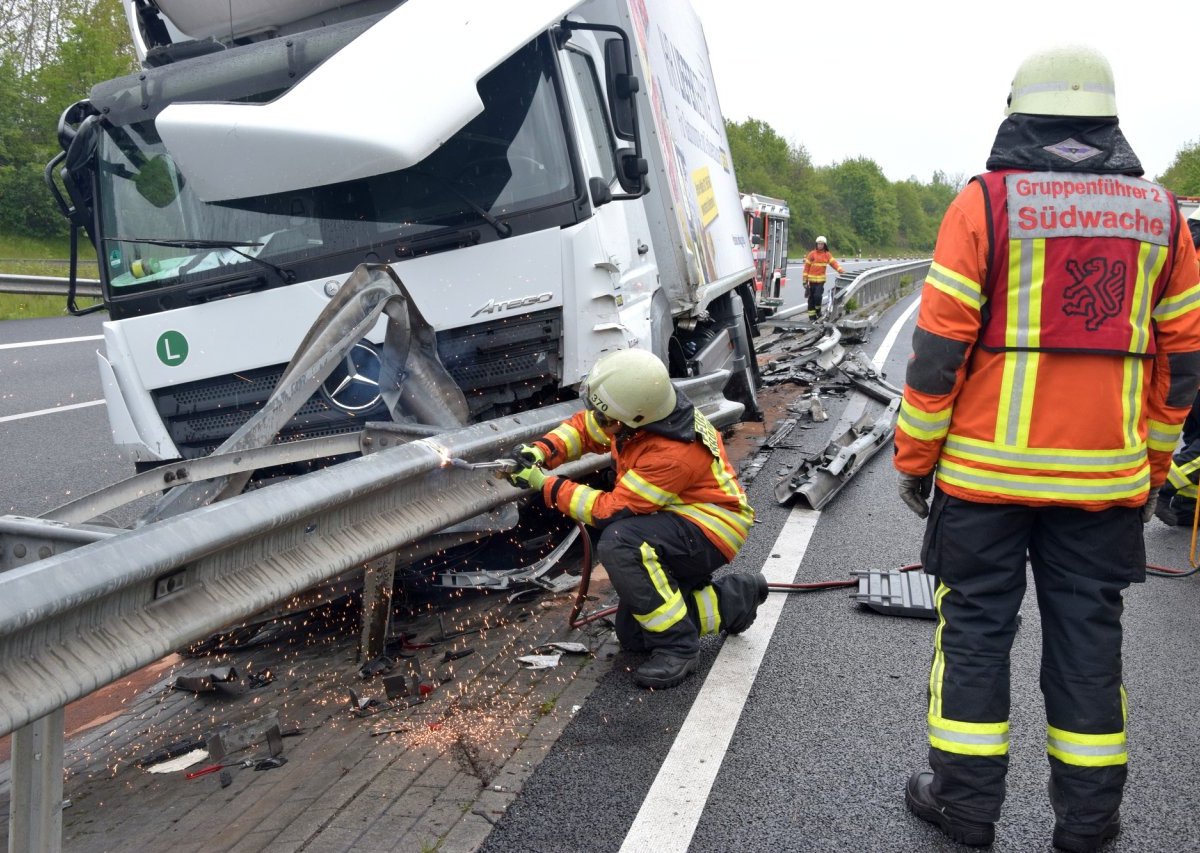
pixel 920 802
pixel 1075 843
pixel 741 596
pixel 663 671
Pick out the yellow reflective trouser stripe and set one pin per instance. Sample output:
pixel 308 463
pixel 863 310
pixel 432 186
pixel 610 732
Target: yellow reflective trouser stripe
pixel 597 434
pixel 965 738
pixel 673 608
pixel 1045 487
pixel 571 438
pixel 1162 436
pixel 1087 750
pixel 953 284
pixel 938 670
pixel 1046 459
pixel 926 426
pixel 949 735
pixel 706 606
pixel 1180 303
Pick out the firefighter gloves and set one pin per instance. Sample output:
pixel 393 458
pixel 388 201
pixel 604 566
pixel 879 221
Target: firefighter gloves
pixel 529 454
pixel 914 491
pixel 528 476
pixel 1148 507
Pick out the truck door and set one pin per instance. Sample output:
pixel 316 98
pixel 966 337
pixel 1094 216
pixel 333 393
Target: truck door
pixel 622 236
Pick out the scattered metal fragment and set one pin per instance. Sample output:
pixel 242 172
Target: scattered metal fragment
pixel 539 661
pixel 569 648
pixel 818 478
pixel 506 578
pixel 180 762
pixel 223 678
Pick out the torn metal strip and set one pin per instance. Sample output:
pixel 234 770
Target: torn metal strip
pixel 818 478
pixel 506 578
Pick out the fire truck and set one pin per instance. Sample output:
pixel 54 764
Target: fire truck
pixel 767 225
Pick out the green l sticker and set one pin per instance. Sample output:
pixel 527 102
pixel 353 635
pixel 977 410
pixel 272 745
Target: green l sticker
pixel 172 348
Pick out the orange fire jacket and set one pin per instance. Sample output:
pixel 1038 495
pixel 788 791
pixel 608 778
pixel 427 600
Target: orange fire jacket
pixel 815 263
pixel 1038 428
pixel 654 474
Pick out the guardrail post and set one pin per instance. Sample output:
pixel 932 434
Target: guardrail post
pixel 377 606
pixel 35 803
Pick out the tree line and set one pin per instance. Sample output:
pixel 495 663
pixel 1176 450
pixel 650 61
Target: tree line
pixel 53 51
pixel 856 206
pixel 51 54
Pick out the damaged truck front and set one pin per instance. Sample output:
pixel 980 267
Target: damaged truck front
pixel 548 180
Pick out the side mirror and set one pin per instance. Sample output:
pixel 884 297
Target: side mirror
pixel 622 86
pixel 755 240
pixel 600 191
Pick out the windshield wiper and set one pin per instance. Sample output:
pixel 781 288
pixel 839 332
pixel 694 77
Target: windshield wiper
pixel 287 275
pixel 502 228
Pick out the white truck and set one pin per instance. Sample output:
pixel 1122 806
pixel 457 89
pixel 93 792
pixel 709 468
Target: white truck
pixel 549 180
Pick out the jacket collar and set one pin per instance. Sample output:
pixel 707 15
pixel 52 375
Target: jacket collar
pixel 1063 144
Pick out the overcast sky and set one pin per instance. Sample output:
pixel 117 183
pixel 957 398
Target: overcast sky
pixel 920 86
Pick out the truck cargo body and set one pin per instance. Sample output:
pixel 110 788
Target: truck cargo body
pixel 481 149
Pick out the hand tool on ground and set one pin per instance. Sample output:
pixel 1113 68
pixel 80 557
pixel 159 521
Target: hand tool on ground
pixel 262 763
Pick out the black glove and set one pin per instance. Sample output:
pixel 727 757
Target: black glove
pixel 1149 505
pixel 914 491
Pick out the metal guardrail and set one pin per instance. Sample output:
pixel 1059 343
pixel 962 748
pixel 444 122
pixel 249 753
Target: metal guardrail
pixel 44 285
pixel 877 287
pixel 78 620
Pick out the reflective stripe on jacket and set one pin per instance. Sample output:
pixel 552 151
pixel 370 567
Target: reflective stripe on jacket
pixel 1080 429
pixel 654 473
pixel 815 263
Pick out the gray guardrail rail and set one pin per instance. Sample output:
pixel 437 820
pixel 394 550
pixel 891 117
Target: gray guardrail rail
pixel 45 285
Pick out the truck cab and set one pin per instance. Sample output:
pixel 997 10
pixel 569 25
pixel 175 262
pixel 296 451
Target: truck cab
pixel 499 159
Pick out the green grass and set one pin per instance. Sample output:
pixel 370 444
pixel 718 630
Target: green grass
pixel 34 256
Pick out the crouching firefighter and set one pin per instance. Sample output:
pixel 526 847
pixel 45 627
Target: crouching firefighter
pixel 675 515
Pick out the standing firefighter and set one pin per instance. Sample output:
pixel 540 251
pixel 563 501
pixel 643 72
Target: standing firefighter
pixel 814 274
pixel 675 516
pixel 1054 360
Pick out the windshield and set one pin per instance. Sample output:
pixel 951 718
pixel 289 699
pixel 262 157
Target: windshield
pixel 512 158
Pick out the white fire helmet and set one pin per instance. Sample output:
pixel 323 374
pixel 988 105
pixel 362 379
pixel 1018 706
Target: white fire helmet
pixel 1071 80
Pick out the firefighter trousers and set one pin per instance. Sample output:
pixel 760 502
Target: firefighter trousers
pixel 816 293
pixel 661 567
pixel 1081 561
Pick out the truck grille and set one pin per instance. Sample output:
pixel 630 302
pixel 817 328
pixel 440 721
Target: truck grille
pixel 517 355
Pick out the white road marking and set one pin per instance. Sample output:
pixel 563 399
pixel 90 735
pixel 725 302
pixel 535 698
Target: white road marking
pixel 672 808
pixel 52 342
pixel 56 409
pixel 675 802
